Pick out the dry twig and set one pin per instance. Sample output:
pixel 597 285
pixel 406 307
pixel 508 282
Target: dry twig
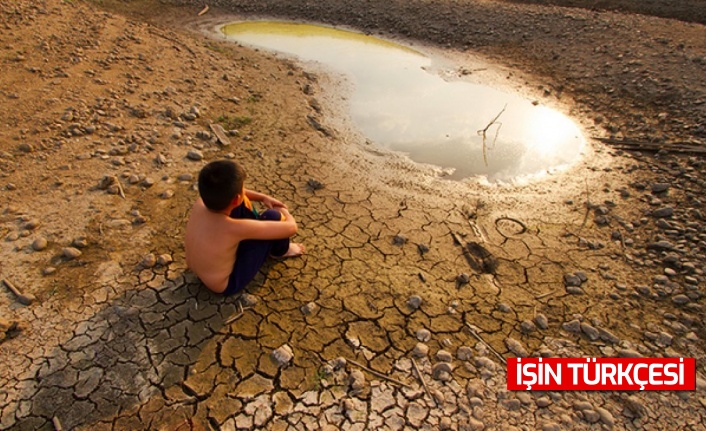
pixel 478 337
pixel 378 374
pixel 421 379
pixel 483 133
pixel 204 10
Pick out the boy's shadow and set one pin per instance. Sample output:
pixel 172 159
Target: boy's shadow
pixel 139 345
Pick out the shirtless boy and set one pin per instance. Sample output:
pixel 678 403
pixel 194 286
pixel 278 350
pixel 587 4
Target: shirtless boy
pixel 226 240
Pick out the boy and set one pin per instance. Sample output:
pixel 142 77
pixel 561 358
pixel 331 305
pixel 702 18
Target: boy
pixel 226 240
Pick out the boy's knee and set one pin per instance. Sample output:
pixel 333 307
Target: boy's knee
pixel 271 215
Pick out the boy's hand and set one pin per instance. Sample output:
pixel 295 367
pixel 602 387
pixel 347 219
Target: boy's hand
pixel 271 202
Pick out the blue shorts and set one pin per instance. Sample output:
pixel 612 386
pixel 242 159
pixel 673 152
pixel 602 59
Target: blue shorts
pixel 252 253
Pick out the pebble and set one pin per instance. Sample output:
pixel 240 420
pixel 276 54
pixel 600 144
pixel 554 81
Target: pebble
pixel 665 212
pixel 194 155
pixel 39 244
pixel 414 302
pixel 309 308
pixel 464 353
pixel 444 356
pixel 164 259
pixel 527 326
pixel 149 260
pixel 71 252
pixel 606 417
pixel 420 350
pixel 423 335
pixel 572 326
pixel 356 380
pixel 516 347
pixel 282 355
pixel 399 240
pixel 572 280
pixel 541 321
pixel 248 300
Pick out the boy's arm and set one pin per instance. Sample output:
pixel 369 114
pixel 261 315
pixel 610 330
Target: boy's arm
pixel 266 200
pixel 259 229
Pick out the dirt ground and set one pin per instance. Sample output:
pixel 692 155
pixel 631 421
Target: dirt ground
pixel 107 109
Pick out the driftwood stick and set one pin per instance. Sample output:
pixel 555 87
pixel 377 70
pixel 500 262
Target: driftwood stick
pixel 57 424
pixel 237 316
pixel 421 379
pixel 204 10
pixel 544 295
pixel 483 133
pixel 478 337
pixel 378 374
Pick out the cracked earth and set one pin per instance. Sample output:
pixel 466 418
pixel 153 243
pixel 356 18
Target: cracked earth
pixel 388 322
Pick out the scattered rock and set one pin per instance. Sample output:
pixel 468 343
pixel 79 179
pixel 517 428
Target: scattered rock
pixel 71 253
pixel 39 244
pixel 282 355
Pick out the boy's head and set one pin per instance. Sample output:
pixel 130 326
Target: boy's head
pixel 219 183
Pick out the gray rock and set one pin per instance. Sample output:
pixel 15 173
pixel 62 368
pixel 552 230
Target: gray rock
pixel 527 326
pixel 591 332
pixel 414 302
pixel 516 348
pixel 606 417
pixel 149 260
pixel 309 308
pixel 541 321
pixel 571 280
pixel 194 155
pixel 572 326
pixel 663 212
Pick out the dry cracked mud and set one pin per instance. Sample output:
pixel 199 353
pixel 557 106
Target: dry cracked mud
pixel 106 113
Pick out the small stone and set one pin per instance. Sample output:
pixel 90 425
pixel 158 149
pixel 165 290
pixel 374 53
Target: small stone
pixel 463 278
pixel 248 300
pixel 80 242
pixel 660 187
pixel 339 363
pixel 194 155
pixel 164 259
pixel 606 417
pixel 527 326
pixel 282 355
pixel 663 212
pixel 148 261
pixel 414 302
pixel 681 299
pixel 420 350
pixel 504 307
pixel 71 252
pixel 516 348
pixel 635 405
pixel 309 308
pixel 167 194
pixel 314 184
pixel 31 224
pixel 591 332
pixel 445 423
pixel 572 280
pixel 541 321
pixel 39 244
pixel 399 240
pixel 49 270
pixel 464 353
pixel 444 356
pixel 356 380
pixel 423 335
pixel 25 147
pixel 572 326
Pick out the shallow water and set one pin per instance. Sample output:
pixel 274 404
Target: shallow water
pixel 398 104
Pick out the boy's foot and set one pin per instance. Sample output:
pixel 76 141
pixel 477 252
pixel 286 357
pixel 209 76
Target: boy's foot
pixel 295 250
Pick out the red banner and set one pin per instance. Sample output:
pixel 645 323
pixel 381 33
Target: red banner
pixel 601 374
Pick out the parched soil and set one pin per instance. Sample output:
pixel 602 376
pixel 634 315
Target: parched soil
pixel 107 112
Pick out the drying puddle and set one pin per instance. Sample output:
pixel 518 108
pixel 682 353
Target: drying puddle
pixel 399 105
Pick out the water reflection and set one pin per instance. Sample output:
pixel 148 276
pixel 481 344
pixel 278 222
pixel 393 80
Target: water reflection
pixel 399 105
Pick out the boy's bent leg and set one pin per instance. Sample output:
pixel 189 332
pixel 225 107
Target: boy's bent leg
pixel 279 246
pixel 250 257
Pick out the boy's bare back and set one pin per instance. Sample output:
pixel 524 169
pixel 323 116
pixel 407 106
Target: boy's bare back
pixel 211 241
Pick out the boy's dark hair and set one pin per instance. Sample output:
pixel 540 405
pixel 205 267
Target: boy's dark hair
pixel 219 183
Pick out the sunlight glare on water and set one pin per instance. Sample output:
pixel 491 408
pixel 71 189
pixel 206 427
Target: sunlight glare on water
pixel 398 104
